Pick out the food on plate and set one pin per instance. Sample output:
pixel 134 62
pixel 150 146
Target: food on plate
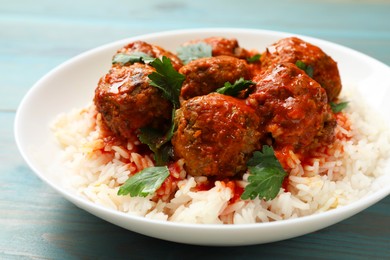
pixel 126 100
pixel 205 75
pixel 150 50
pixel 221 46
pixel 320 66
pixel 216 133
pixel 294 108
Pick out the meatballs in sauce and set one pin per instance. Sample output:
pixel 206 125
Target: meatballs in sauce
pixel 216 134
pixel 126 100
pixel 293 49
pixel 293 106
pixel 205 75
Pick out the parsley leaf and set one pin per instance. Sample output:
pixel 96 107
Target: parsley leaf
pixel 337 107
pixel 266 175
pixel 306 68
pixel 158 142
pixel 144 182
pixel 125 58
pixel 234 90
pixel 154 139
pixel 167 79
pixel 254 58
pixel 194 51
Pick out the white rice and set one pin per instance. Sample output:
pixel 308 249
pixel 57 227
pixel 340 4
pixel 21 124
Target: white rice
pixel 96 170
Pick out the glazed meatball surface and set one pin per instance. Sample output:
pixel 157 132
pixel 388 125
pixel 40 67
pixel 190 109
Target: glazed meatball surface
pixel 216 135
pixel 152 51
pixel 127 102
pixel 205 75
pixel 292 49
pixel 294 107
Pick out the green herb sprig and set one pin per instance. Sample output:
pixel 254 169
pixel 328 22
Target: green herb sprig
pixel 194 51
pixel 306 68
pixel 167 79
pixel 266 175
pixel 338 107
pixel 158 142
pixel 234 89
pixel 131 58
pixel 144 182
pixel 254 58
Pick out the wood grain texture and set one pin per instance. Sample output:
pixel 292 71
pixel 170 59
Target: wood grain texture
pixel 36 36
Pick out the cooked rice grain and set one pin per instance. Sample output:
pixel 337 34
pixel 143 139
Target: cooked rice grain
pixel 339 174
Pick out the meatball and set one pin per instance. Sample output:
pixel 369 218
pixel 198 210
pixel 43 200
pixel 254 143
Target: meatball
pixel 292 49
pixel 223 46
pixel 205 75
pixel 294 108
pixel 152 51
pixel 216 135
pixel 127 102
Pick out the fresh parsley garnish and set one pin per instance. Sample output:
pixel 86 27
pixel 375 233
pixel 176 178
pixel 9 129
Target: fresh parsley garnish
pixel 338 107
pixel 158 142
pixel 144 182
pixel 234 89
pixel 194 51
pixel 150 179
pixel 266 175
pixel 254 58
pixel 167 79
pixel 154 139
pixel 306 68
pixel 131 58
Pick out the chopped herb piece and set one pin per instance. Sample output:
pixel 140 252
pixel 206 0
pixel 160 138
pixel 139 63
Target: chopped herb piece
pixel 151 137
pixel 167 79
pixel 338 107
pixel 131 58
pixel 234 90
pixel 158 141
pixel 266 175
pixel 168 135
pixel 254 58
pixel 144 182
pixel 195 51
pixel 306 68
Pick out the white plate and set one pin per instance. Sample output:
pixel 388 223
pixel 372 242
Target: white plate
pixel 72 84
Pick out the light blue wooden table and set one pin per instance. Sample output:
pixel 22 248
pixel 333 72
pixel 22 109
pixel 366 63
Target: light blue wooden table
pixel 36 36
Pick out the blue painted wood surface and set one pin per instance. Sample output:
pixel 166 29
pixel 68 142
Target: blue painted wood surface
pixel 36 36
